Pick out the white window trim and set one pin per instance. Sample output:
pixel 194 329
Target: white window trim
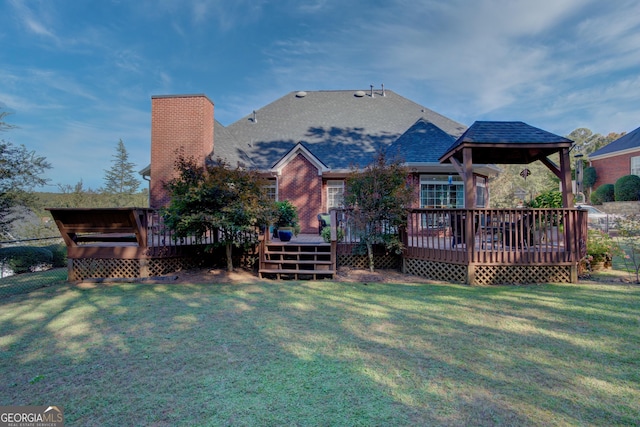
pixel 634 169
pixel 333 184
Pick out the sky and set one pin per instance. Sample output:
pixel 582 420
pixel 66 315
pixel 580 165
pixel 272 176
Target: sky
pixel 77 76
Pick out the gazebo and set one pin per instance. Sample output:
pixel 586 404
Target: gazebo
pixel 509 143
pixel 492 246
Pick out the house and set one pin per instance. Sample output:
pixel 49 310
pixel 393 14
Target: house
pixel 307 142
pixel 617 159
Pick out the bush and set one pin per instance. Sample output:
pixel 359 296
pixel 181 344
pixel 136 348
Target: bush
pixel 326 234
pixel 22 259
pixel 589 177
pixel 59 252
pixel 600 247
pixel 604 193
pixel 548 199
pixel 627 188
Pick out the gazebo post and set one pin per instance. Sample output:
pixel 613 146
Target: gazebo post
pixel 469 190
pixel 565 178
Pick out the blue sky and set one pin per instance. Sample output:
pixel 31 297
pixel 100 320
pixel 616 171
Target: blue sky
pixel 78 75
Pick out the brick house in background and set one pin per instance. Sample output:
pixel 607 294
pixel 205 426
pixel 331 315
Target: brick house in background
pixel 617 159
pixel 306 143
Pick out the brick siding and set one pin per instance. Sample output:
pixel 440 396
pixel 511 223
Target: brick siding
pixel 182 123
pixel 610 169
pixel 302 186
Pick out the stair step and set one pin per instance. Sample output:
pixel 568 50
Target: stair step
pixel 298 273
pixel 295 261
pixel 296 253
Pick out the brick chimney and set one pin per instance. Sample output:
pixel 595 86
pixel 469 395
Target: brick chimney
pixel 179 123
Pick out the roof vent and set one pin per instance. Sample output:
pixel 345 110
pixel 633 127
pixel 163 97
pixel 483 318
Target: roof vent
pixel 383 94
pixel 371 90
pixel 301 94
pixel 359 94
pixel 255 117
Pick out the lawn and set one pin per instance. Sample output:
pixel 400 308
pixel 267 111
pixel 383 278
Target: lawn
pixel 325 353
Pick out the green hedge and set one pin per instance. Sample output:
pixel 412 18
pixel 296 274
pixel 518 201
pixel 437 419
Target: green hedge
pixel 604 193
pixel 59 252
pixel 627 188
pixel 22 258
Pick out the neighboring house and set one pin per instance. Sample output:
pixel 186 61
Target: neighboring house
pixel 306 144
pixel 617 159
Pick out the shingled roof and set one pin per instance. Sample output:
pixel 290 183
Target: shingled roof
pixel 506 143
pixel 342 128
pixel 423 142
pixel 630 141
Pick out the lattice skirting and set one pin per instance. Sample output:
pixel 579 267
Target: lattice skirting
pixel 488 274
pixel 521 274
pixel 99 268
pixel 383 262
pixel 443 271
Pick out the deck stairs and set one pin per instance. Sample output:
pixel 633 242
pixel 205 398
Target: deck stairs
pixel 297 261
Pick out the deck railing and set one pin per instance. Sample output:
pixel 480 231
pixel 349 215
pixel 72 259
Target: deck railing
pixel 482 236
pixel 140 231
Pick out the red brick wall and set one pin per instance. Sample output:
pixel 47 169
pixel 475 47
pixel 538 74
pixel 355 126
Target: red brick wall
pixel 609 169
pixel 178 123
pixel 302 186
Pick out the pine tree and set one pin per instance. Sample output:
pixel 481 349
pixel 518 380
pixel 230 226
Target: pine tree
pixel 20 171
pixel 121 180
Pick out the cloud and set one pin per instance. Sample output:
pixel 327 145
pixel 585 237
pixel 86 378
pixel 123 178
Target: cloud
pixel 31 22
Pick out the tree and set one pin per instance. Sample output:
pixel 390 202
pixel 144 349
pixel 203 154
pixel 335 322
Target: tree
pixel 587 142
pixel 231 203
pixel 20 171
pixel 503 188
pixel 120 180
pixel 379 196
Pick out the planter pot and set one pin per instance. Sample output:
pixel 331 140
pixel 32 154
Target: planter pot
pixel 285 234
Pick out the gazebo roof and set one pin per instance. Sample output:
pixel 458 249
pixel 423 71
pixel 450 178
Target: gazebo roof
pixel 506 143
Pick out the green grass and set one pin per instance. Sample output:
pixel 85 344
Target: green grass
pixel 325 353
pixel 27 282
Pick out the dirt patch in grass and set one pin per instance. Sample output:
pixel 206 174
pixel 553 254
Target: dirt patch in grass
pixel 351 275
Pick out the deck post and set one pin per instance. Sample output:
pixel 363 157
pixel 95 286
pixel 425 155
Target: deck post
pixel 471 274
pixel 144 267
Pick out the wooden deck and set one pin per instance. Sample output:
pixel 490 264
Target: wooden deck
pixel 474 246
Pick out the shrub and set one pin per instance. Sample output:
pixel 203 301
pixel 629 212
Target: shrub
pixel 604 193
pixel 589 177
pixel 287 216
pixel 59 252
pixel 22 259
pixel 548 199
pixel 600 247
pixel 627 188
pixel 326 234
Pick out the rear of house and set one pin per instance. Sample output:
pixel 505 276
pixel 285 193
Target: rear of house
pixel 306 143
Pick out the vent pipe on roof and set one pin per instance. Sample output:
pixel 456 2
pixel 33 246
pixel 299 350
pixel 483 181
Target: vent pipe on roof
pixel 255 117
pixel 383 94
pixel 371 91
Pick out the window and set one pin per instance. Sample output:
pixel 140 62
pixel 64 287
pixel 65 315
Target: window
pixel 272 190
pixel 335 194
pixel 481 191
pixel 441 191
pixel 635 165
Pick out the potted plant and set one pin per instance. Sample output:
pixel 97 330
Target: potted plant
pixel 286 220
pixel 600 249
